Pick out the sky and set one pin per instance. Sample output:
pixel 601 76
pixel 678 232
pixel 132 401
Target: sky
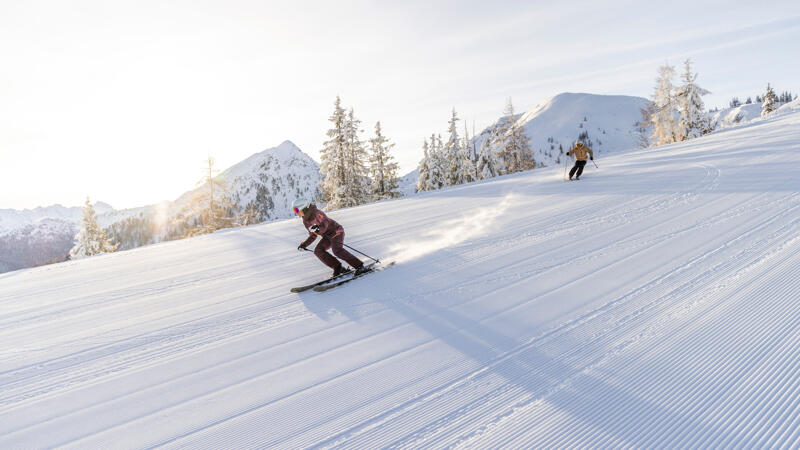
pixel 124 101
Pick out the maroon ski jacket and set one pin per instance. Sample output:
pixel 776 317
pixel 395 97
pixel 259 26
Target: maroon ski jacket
pixel 327 227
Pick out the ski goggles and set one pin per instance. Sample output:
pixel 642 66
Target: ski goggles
pixel 300 212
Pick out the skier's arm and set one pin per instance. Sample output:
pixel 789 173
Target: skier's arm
pixel 323 223
pixel 591 153
pixel 311 238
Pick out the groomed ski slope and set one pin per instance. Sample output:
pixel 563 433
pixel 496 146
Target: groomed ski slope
pixel 654 303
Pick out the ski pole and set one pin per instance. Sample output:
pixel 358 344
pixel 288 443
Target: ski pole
pixel 351 248
pixel 595 164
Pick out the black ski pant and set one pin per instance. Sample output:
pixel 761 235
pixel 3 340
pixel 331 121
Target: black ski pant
pixel 579 167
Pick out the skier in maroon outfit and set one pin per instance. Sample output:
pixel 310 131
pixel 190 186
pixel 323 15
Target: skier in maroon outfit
pixel 318 224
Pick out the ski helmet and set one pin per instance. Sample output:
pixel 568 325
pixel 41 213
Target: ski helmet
pixel 579 143
pixel 300 204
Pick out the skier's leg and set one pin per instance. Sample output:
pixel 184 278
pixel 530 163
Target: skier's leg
pixel 579 165
pixel 321 250
pixel 574 168
pixel 340 252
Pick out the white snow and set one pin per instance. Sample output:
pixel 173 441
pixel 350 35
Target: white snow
pixel 654 303
pixel 610 121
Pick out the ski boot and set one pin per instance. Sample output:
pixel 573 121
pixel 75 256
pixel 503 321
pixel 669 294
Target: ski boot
pixel 362 269
pixel 340 270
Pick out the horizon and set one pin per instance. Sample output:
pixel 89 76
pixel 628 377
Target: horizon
pixel 143 94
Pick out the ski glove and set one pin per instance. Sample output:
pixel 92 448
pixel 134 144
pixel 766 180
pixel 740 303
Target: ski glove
pixel 314 228
pixel 592 158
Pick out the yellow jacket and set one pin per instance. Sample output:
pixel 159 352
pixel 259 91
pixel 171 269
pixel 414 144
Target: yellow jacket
pixel 580 151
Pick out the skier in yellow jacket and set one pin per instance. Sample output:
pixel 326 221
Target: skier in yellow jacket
pixel 580 152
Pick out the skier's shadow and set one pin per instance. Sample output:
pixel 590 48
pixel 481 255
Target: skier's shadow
pixel 318 304
pixel 529 369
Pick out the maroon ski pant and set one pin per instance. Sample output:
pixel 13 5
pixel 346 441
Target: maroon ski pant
pixel 335 244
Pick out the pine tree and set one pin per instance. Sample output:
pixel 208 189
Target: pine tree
pixel 357 187
pixel 643 140
pixel 333 158
pixel 488 166
pixel 452 153
pixel 514 144
pixel 342 161
pixel 438 164
pixel 424 169
pixel 91 239
pixel 210 208
pixel 769 101
pixel 664 126
pixel 461 168
pixel 693 119
pixel 383 167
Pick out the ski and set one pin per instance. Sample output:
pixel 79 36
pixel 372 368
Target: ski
pixel 322 287
pixel 313 285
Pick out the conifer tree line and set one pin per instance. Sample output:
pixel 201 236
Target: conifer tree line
pixel 784 97
pixel 677 112
pixel 457 160
pixel 352 174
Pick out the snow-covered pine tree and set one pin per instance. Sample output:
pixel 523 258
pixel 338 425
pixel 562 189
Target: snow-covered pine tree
pixel 643 138
pixel 438 164
pixel 383 168
pixel 488 166
pixel 333 157
pixel 91 239
pixel 342 161
pixel 452 153
pixel 693 120
pixel 769 101
pixel 465 169
pixel 514 144
pixel 470 157
pixel 665 130
pixel 424 169
pixel 357 187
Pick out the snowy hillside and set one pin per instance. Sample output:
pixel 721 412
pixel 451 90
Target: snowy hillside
pixel 651 304
pixel 271 180
pixel 555 124
pixel 12 218
pixel 267 181
pixel 35 243
pixel 408 183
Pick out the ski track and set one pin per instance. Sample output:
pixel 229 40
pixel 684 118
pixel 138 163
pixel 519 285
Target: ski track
pixel 635 308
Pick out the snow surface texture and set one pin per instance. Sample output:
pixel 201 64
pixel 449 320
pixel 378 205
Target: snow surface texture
pixel 652 303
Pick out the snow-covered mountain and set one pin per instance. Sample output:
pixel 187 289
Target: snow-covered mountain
pixel 653 304
pixel 12 218
pixel 608 123
pixel 730 117
pixel 267 181
pixel 35 243
pixel 408 183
